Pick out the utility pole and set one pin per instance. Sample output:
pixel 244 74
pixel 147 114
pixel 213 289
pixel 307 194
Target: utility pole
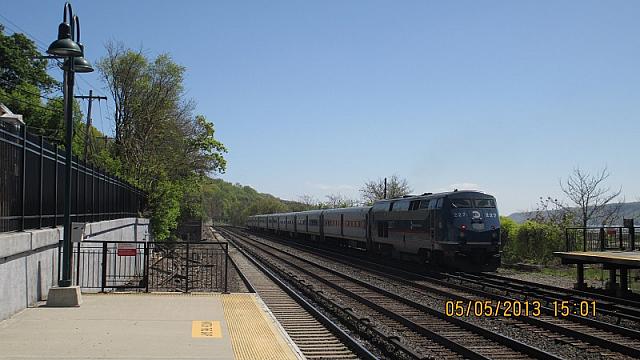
pixel 90 97
pixel 385 188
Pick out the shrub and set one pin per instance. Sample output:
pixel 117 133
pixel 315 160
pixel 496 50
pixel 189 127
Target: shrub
pixel 531 241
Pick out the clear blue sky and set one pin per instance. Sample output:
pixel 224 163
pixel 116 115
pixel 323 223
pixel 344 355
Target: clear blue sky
pixel 317 97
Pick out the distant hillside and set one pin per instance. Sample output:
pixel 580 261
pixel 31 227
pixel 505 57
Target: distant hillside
pixel 627 211
pixel 232 203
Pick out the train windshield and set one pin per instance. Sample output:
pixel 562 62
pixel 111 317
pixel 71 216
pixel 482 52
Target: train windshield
pixel 484 203
pixel 474 214
pixel 472 203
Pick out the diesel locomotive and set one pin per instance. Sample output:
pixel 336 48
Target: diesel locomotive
pixel 454 230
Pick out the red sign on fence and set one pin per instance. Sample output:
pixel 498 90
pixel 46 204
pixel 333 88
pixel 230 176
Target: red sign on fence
pixel 127 249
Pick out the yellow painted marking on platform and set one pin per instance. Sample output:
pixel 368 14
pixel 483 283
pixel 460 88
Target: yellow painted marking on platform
pixel 253 335
pixel 206 329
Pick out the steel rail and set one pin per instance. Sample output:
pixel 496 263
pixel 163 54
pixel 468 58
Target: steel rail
pixel 351 342
pixel 392 340
pixel 596 340
pixel 614 306
pixel 498 338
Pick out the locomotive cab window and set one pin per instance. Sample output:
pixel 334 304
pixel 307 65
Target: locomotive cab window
pixel 485 203
pixel 424 204
pixel 384 206
pixel 433 203
pixel 400 206
pixel 461 203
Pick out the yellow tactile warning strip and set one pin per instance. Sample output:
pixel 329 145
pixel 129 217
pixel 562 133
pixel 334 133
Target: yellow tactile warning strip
pixel 158 293
pixel 209 329
pixel 253 335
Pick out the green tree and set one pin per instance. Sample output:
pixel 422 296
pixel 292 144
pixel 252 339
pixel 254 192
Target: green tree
pixel 165 202
pixel 233 203
pixel 22 64
pixel 27 89
pixel 159 142
pixel 374 190
pixel 24 82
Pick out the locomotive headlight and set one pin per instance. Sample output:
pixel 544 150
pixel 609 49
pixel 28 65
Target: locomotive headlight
pixel 462 229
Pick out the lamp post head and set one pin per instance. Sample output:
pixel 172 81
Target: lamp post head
pixel 80 64
pixel 64 46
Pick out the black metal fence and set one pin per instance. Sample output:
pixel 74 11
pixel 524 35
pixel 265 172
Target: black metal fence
pixel 602 238
pixel 149 266
pixel 32 185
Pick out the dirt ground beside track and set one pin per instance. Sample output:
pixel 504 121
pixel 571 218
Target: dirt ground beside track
pixel 565 282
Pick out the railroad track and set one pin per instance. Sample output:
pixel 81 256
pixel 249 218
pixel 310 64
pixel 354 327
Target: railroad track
pixel 587 335
pixel 618 311
pixel 427 330
pixel 617 308
pixel 315 338
pixel 608 306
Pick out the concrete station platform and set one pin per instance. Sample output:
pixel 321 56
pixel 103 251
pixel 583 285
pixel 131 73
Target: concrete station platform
pixel 614 261
pixel 623 258
pixel 149 326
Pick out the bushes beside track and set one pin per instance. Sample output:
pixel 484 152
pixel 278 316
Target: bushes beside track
pixel 530 242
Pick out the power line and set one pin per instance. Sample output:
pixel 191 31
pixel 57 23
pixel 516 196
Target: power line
pixel 90 97
pixel 35 39
pixel 36 105
pixel 111 111
pixel 90 85
pixel 26 91
pixel 101 119
pixel 42 96
pixel 78 88
pixel 81 130
pixel 43 128
pixel 43 47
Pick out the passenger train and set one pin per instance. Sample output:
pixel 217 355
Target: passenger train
pixel 458 230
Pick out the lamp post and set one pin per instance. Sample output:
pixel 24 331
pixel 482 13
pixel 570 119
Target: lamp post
pixel 66 47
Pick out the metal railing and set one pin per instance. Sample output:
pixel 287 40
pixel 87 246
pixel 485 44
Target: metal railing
pixel 32 186
pixel 151 266
pixel 602 238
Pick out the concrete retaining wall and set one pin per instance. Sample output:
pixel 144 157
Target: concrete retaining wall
pixel 29 259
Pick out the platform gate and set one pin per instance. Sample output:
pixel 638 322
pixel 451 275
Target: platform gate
pixel 123 265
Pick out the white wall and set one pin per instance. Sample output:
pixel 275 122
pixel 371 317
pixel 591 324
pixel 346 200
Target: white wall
pixel 29 259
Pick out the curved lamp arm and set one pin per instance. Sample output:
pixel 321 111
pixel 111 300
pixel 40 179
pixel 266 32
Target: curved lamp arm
pixel 75 24
pixel 68 9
